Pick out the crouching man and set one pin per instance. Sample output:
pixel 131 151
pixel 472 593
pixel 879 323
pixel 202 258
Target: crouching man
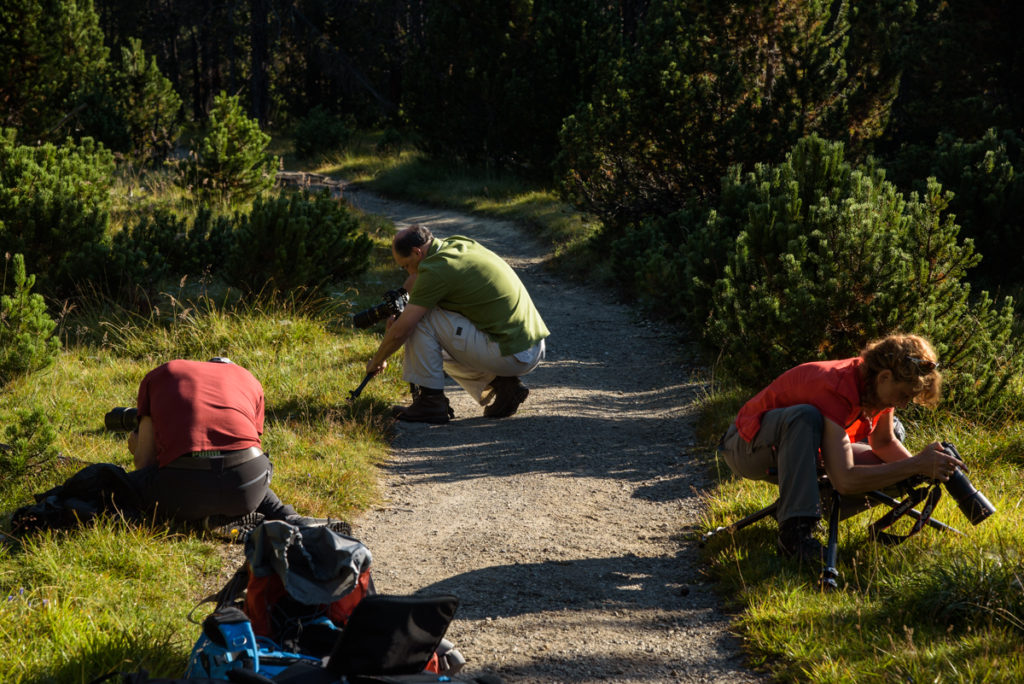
pixel 197 447
pixel 469 316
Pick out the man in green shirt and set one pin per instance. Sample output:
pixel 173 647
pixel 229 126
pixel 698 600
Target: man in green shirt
pixel 469 316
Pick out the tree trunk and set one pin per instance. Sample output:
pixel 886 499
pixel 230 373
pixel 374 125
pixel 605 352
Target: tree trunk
pixel 259 11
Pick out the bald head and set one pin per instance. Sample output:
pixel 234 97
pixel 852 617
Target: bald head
pixel 408 238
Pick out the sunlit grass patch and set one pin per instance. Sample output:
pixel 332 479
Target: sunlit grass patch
pixel 363 161
pixel 104 597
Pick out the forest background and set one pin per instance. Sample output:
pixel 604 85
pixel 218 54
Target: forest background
pixel 782 180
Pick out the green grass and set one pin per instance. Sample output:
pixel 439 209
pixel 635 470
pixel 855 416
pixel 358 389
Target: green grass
pixel 105 598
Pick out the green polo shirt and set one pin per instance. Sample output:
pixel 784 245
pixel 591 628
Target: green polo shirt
pixel 461 275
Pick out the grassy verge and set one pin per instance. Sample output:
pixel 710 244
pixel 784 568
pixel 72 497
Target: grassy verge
pixel 113 597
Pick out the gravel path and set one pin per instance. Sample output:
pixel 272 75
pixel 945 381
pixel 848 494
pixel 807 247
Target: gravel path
pixel 561 528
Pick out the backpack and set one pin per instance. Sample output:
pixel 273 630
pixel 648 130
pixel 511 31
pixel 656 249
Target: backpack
pixel 95 489
pixel 299 575
pixel 386 636
pixel 305 598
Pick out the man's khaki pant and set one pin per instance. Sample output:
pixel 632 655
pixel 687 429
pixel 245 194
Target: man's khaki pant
pixel 447 342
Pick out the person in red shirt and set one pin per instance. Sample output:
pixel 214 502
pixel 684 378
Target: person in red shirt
pixel 197 448
pixel 837 415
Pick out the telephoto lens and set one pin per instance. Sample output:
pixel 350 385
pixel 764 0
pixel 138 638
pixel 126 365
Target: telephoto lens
pixel 364 319
pixel 393 305
pixel 973 504
pixel 121 419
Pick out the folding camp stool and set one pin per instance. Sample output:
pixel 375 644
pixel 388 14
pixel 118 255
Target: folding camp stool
pixel 839 507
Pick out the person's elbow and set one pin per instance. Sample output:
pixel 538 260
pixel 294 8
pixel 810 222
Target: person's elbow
pixel 403 326
pixel 844 481
pixel 401 331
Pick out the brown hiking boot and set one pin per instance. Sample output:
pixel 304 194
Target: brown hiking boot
pixel 425 408
pixel 509 393
pixel 796 540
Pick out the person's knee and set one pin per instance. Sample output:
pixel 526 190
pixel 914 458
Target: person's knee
pixel 805 417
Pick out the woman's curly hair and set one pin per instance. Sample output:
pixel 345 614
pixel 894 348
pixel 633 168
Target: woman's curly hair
pixel 911 359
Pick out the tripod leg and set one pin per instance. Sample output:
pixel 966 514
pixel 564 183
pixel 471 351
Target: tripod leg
pixel 740 524
pixel 829 573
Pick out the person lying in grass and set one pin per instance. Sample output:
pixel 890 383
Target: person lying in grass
pixel 838 416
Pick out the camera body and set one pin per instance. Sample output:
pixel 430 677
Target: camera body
pixel 121 419
pixel 972 503
pixel 393 305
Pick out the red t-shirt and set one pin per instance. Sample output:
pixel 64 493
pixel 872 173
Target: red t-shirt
pixel 833 387
pixel 201 406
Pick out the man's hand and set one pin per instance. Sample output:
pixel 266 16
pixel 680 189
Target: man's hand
pixel 397 332
pixel 373 368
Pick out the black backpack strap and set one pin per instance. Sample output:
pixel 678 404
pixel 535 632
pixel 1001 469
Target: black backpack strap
pixel 930 494
pixel 228 594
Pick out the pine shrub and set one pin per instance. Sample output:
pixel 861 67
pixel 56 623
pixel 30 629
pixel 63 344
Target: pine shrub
pixel 161 247
pixel 27 342
pixel 812 258
pixel 297 241
pixel 135 110
pixel 30 446
pixel 986 177
pixel 232 164
pixel 52 52
pixel 55 208
pixel 319 132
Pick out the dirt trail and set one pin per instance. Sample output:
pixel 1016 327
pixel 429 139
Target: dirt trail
pixel 560 528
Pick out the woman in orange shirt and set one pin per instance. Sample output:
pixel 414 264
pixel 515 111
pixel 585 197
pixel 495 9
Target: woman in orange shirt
pixel 836 415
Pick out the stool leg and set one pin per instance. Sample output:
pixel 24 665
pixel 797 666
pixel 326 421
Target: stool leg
pixel 882 497
pixel 829 573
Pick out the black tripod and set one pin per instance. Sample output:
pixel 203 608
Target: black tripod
pixel 836 505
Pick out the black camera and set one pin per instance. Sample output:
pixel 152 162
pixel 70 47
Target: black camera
pixel 972 503
pixel 393 305
pixel 121 419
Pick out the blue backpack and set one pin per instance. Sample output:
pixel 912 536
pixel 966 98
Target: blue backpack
pixel 228 643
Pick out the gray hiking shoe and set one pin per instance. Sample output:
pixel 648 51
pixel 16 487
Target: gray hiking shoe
pixel 333 524
pixel 235 530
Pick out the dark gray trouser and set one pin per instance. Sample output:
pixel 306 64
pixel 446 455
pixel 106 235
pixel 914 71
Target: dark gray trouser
pixel 787 445
pixel 187 495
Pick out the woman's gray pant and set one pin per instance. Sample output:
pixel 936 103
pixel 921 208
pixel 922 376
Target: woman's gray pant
pixel 785 451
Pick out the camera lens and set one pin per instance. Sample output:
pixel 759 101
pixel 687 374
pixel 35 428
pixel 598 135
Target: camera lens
pixel 121 419
pixel 364 319
pixel 974 505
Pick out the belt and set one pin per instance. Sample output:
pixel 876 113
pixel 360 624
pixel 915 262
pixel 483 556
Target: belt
pixel 215 460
